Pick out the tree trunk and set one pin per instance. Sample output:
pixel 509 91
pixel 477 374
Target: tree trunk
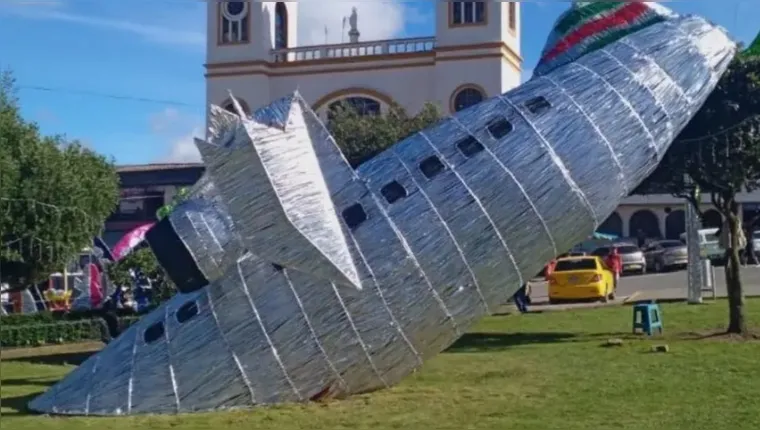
pixel 737 323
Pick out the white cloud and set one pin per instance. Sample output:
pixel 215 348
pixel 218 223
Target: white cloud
pixel 177 129
pixel 154 33
pixel 183 149
pixel 377 20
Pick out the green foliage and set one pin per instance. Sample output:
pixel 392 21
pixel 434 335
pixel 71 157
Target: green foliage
pixel 54 196
pixel 182 195
pixel 145 261
pixel 45 328
pixel 754 48
pixel 719 150
pixel 362 137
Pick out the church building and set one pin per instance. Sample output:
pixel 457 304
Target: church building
pixel 252 51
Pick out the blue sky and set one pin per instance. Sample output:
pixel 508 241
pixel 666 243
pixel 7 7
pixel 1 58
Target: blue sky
pixel 74 59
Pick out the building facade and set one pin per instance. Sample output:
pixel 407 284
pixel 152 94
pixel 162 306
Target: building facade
pixel 252 52
pixel 143 189
pixel 473 55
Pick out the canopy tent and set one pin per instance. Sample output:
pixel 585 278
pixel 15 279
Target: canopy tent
pixel 604 236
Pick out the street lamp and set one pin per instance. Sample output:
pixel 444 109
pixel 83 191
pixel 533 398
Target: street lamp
pixel 695 278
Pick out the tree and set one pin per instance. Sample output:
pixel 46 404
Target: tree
pixel 144 261
pixel 719 151
pixel 55 195
pixel 361 137
pixel 181 195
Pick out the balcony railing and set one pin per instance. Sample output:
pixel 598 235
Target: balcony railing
pixel 348 50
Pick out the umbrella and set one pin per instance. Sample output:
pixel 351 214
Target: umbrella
pixel 129 241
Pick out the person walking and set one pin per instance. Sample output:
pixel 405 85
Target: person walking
pixel 615 263
pixel 521 298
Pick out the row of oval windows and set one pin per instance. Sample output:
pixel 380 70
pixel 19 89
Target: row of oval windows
pixel 354 215
pixel 431 166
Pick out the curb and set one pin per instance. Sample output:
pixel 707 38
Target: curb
pixel 630 300
pixel 543 307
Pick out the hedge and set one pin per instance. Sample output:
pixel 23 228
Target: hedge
pixel 45 328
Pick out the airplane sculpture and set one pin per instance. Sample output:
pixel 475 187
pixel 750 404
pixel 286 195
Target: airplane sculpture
pixel 302 278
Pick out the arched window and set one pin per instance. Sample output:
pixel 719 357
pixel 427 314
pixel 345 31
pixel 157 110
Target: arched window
pixel 280 26
pixel 613 225
pixel 467 97
pixel 233 22
pixel 362 105
pixel 643 225
pixel 675 224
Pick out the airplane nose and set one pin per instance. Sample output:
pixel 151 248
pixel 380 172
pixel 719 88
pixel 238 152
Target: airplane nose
pixel 712 42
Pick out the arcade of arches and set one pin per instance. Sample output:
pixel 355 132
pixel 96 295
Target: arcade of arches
pixel 647 224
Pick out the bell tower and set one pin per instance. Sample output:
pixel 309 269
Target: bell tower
pixel 243 37
pixel 476 35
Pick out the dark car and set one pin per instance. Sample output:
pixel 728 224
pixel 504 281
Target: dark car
pixel 664 255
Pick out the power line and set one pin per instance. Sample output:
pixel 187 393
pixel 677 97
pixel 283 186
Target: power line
pixel 721 132
pixel 106 95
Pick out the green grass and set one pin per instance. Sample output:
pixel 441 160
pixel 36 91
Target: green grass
pixel 536 371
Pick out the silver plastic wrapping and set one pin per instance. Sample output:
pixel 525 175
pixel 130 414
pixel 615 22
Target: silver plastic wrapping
pixel 301 305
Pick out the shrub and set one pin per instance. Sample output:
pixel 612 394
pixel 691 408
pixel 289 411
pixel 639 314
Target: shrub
pixel 43 329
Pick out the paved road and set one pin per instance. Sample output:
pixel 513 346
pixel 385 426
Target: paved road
pixel 670 285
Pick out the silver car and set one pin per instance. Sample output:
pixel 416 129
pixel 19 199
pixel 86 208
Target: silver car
pixel 631 256
pixel 664 255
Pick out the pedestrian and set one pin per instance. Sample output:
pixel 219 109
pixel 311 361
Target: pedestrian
pixel 521 298
pixel 615 263
pixel 641 238
pixel 550 269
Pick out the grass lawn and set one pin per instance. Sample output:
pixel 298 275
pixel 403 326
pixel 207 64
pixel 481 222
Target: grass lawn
pixel 536 371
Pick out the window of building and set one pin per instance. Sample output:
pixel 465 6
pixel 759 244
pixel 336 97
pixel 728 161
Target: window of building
pixel 154 332
pixel 233 22
pixel 538 105
pixel 431 166
pixel 467 97
pixel 393 192
pixel 467 12
pixel 513 16
pixel 363 106
pixel 280 26
pixel 187 311
pixel 354 215
pixel 499 127
pixel 469 146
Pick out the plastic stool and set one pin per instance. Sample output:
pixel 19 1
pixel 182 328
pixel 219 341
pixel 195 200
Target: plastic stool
pixel 647 317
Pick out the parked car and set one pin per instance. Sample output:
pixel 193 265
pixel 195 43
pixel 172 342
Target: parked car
pixel 663 255
pixel 581 278
pixel 631 255
pixel 709 246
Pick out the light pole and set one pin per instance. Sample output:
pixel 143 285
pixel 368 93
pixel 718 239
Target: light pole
pixel 695 275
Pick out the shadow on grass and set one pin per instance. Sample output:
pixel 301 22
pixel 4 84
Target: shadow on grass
pixel 473 342
pixel 15 406
pixel 40 382
pixel 68 358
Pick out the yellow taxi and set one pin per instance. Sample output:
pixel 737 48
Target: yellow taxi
pixel 581 278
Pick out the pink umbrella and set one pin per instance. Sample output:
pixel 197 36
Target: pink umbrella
pixel 129 241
